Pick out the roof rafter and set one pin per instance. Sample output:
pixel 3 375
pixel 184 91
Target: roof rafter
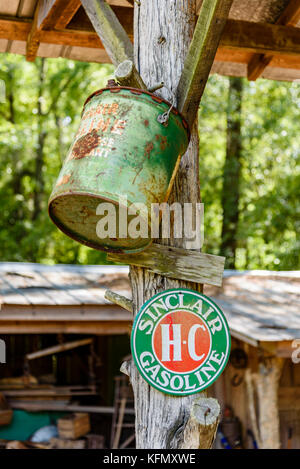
pixel 239 38
pixel 71 7
pixel 258 62
pixel 211 21
pixel 47 14
pixel 113 36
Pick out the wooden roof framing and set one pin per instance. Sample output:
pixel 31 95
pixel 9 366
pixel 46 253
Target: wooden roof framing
pixel 261 38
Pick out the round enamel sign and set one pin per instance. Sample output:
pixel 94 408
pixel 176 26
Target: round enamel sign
pixel 180 341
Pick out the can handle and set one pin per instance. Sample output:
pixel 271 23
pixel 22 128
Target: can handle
pixel 164 118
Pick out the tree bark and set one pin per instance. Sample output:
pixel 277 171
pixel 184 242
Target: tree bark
pixel 231 173
pixel 163 31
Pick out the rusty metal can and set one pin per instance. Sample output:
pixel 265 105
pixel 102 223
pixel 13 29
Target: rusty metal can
pixel 123 150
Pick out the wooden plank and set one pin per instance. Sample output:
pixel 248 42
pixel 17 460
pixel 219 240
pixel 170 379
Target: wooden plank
pixel 112 33
pixel 232 56
pixel 9 7
pixel 261 38
pixel 100 312
pixel 40 406
pixel 177 263
pixel 284 349
pixel 65 327
pixel 211 21
pixel 71 7
pixel 121 3
pixel 58 348
pixel 36 393
pixel 283 61
pixel 258 63
pixel 231 42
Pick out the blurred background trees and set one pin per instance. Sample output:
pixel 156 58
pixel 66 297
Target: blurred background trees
pixel 249 160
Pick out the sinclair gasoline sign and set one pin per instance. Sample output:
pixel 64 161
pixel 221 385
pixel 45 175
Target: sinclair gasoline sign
pixel 180 341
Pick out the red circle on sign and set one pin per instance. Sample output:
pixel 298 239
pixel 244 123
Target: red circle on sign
pixel 181 341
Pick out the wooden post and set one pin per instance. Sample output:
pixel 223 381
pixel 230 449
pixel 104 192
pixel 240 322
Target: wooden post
pixel 201 428
pixel 163 31
pixel 251 405
pixel 267 382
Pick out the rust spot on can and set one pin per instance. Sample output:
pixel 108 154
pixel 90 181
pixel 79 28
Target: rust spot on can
pixel 146 122
pixel 163 141
pixel 64 180
pixel 85 145
pixel 148 148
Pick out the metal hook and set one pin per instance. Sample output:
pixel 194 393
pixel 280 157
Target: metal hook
pixel 164 118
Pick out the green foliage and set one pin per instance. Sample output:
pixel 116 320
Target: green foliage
pixel 40 99
pixel 269 212
pixel 39 119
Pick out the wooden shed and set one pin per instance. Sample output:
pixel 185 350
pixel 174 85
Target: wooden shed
pixel 69 299
pixel 262 308
pixel 261 384
pixel 260 38
pixel 64 343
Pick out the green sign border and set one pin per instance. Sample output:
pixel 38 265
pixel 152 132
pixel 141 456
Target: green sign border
pixel 135 329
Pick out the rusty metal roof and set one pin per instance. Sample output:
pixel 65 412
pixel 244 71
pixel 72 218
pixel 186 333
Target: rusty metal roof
pixel 72 36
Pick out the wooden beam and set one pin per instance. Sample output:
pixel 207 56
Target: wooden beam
pixel 291 14
pixel 112 33
pixel 71 8
pixel 211 21
pixel 35 406
pixel 177 263
pixel 58 348
pixel 258 62
pixel 261 38
pixel 65 327
pixel 121 3
pixel 231 48
pixel 232 56
pixel 47 14
pixel 289 398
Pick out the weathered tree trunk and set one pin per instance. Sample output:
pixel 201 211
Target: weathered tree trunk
pixel 231 173
pixel 163 30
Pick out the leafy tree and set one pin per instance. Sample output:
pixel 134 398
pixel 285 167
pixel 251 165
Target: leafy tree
pixel 269 214
pixel 38 121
